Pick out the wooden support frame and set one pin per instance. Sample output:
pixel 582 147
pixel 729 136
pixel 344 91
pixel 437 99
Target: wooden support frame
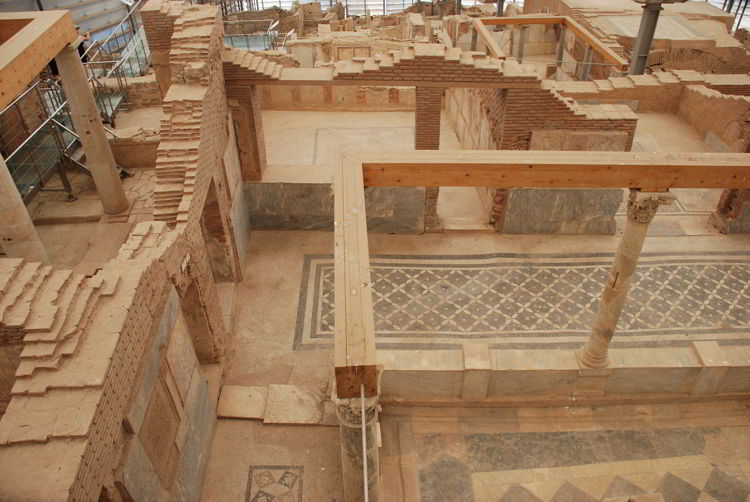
pixel 488 40
pixel 355 353
pixel 580 32
pixel 32 40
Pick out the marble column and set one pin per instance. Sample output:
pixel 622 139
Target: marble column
pixel 642 208
pixel 349 413
pixel 88 125
pixel 18 237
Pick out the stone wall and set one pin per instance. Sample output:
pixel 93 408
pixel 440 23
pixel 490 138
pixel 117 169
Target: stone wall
pixel 135 148
pixel 724 116
pixel 71 431
pixel 143 91
pixel 171 417
pixel 309 206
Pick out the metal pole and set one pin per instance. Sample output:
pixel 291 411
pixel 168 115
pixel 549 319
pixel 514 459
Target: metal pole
pixel 500 8
pixel 739 22
pixel 737 12
pixel 365 475
pixel 458 7
pixel 639 57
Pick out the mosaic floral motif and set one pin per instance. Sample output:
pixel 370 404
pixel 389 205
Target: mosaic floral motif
pixel 274 483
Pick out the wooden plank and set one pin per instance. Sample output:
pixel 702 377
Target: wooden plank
pixel 354 331
pixel 581 32
pixel 596 44
pixel 548 169
pixel 29 50
pixel 489 41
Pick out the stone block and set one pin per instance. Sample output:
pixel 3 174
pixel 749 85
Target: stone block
pixel 134 417
pixel 239 401
pixel 477 366
pixel 201 416
pixel 309 206
pixel 181 357
pixel 561 211
pixel 293 404
pixel 139 477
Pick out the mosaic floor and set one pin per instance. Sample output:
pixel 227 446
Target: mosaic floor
pixel 539 456
pixel 535 301
pixel 274 483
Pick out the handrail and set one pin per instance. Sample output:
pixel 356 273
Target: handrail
pixel 42 126
pixel 24 93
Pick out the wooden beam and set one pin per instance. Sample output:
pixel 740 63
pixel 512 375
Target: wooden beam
pixel 25 54
pixel 551 169
pixel 522 20
pixel 585 35
pixel 354 327
pixel 488 40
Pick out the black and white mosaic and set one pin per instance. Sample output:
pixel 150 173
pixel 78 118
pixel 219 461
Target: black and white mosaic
pixel 535 301
pixel 274 483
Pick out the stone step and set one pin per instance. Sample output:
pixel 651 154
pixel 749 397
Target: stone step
pixel 277 404
pixel 21 282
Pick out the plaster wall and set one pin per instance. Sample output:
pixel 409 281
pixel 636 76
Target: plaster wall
pixel 337 98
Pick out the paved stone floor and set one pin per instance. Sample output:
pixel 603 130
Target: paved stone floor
pixel 686 452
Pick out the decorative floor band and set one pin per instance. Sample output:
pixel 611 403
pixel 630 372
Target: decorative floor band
pixel 535 301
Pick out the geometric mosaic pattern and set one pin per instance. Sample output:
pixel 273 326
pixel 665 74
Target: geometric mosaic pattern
pixel 533 301
pixel 673 465
pixel 720 487
pixel 274 483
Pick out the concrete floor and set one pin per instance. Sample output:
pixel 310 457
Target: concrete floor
pixel 148 117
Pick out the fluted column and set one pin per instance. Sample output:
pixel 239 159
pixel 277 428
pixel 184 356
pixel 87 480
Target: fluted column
pixel 642 208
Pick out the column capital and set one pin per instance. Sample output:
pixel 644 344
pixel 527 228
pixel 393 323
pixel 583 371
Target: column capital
pixel 642 206
pixel 349 411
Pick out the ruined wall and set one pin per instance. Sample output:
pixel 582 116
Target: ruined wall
pixel 135 147
pixel 713 113
pixel 337 98
pixel 79 425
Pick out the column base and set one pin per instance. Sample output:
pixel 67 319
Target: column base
pixel 592 361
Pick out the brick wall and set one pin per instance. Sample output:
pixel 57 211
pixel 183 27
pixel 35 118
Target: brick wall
pixel 427 121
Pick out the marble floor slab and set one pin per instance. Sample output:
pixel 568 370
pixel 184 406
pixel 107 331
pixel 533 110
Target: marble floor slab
pixel 521 301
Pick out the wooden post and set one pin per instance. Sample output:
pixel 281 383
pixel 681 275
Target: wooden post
pixel 88 125
pixel 356 369
pixel 18 237
pixel 641 210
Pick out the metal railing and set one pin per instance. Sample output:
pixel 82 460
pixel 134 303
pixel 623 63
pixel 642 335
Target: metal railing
pixel 42 152
pixel 37 135
pixel 261 39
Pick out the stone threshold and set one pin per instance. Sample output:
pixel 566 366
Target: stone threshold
pixel 478 375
